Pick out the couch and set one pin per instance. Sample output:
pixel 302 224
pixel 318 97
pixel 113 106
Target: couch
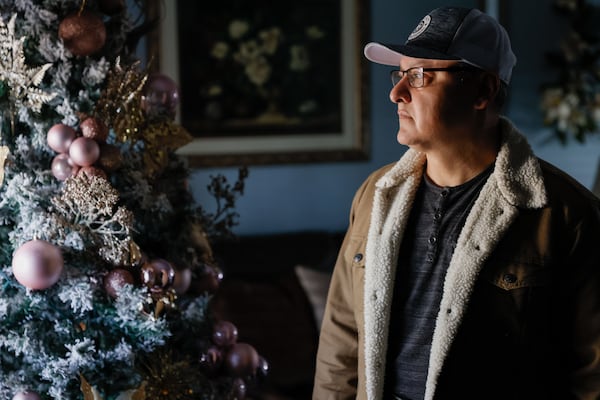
pixel 274 291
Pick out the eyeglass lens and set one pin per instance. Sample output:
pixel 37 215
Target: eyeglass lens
pixel 415 76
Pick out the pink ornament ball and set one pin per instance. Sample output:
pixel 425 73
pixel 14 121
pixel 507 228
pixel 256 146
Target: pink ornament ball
pixel 241 360
pixel 60 137
pixel 158 273
pixel 37 264
pixel 225 334
pixel 63 167
pixel 160 96
pixel 164 272
pixel 84 151
pixel 182 281
pixel 208 280
pixel 27 395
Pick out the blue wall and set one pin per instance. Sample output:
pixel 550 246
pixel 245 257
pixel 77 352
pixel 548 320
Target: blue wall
pixel 288 198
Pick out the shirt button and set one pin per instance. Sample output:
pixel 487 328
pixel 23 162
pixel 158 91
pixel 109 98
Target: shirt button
pixel 358 257
pixel 509 278
pixel 432 239
pixel 437 216
pixel 444 193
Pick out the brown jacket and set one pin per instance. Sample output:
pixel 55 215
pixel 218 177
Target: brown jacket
pixel 520 311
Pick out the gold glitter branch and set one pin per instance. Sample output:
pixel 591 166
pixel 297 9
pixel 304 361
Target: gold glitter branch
pixel 120 107
pixel 119 103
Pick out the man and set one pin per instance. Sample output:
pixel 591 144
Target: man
pixel 471 268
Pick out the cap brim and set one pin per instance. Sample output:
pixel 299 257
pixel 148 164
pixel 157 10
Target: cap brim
pixel 390 54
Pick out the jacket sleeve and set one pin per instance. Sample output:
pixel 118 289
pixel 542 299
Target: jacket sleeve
pixel 337 364
pixel 584 307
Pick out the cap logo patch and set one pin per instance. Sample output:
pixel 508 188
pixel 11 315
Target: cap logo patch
pixel 420 28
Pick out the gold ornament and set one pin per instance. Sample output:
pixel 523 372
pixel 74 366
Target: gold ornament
pixel 170 378
pixel 160 139
pixel 21 79
pixel 135 254
pixel 119 103
pixel 119 107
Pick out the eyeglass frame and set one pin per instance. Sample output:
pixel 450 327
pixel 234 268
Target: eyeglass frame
pixel 453 68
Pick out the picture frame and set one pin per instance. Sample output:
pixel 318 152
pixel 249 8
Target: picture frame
pixel 338 128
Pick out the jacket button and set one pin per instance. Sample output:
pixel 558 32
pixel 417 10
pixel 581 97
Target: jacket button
pixel 358 257
pixel 509 278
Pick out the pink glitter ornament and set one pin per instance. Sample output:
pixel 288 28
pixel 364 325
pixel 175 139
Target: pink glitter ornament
pixel 115 280
pixel 94 128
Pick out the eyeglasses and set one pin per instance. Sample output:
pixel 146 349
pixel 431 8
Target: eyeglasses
pixel 415 74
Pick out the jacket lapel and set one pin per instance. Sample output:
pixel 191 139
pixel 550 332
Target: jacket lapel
pixel 394 195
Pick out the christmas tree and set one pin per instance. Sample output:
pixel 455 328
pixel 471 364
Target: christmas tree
pixel 106 269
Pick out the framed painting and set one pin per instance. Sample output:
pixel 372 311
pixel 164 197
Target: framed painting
pixel 266 81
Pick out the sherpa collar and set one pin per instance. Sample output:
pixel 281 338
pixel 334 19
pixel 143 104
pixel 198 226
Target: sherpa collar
pixel 517 170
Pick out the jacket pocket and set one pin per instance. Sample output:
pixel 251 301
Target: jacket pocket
pixel 511 276
pixel 520 282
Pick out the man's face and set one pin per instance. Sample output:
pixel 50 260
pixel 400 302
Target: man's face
pixel 438 113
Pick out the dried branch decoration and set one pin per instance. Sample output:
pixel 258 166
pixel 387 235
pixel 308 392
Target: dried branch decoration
pixel 90 203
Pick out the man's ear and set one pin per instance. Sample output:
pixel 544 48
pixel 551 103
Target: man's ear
pixel 489 86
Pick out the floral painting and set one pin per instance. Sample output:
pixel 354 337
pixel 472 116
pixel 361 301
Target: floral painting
pixel 260 67
pixel 571 104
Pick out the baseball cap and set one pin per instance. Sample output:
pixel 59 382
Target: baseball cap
pixel 453 33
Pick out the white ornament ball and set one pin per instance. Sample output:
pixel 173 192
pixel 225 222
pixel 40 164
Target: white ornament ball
pixel 37 264
pixel 84 151
pixel 27 396
pixel 60 137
